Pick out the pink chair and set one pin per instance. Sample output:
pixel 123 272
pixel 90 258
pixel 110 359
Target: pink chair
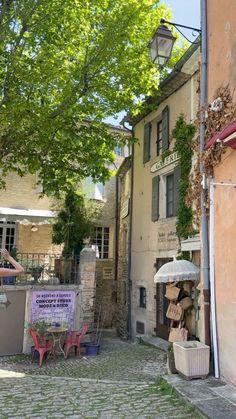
pixel 73 339
pixel 41 345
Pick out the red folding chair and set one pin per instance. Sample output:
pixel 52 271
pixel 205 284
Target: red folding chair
pixel 41 345
pixel 74 339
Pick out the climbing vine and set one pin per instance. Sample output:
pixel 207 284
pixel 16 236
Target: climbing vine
pixel 183 134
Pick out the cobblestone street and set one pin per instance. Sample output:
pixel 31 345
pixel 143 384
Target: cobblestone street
pixel 119 383
pixel 122 382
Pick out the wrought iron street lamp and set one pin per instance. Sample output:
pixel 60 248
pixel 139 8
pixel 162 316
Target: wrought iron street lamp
pixel 161 45
pixel 162 42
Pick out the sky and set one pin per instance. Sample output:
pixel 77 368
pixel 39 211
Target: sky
pixel 185 12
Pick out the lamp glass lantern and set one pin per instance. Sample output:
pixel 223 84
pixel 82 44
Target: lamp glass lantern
pixel 161 45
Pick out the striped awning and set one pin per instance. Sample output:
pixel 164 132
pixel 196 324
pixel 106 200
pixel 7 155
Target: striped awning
pixel 227 136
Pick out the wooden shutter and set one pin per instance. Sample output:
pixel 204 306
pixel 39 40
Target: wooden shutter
pixel 177 173
pixel 146 142
pixel 155 198
pixel 165 128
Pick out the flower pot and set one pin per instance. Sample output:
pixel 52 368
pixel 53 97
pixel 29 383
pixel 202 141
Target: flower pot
pixel 9 280
pixel 92 348
pixel 192 358
pixel 34 353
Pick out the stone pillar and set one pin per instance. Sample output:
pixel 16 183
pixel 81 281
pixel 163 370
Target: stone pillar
pixel 87 268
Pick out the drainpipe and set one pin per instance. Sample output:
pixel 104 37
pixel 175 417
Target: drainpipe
pixel 129 293
pixel 203 221
pixel 116 241
pixel 212 282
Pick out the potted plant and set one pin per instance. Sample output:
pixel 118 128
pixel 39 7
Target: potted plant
pixel 36 272
pixel 41 327
pixel 192 358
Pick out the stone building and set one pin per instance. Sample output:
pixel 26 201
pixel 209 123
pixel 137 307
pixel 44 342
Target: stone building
pixel 25 217
pixel 155 192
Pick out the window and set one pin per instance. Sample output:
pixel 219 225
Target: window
pixel 93 190
pixel 170 195
pixel 101 242
pixel 142 297
pixel 159 138
pixel 119 151
pixel 7 235
pixel 165 195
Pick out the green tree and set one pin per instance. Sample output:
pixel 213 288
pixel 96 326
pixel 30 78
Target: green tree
pixel 64 63
pixel 74 223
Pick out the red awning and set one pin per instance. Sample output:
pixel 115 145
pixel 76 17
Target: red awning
pixel 227 136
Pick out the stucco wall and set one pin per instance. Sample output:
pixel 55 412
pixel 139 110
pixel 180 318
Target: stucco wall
pixel 221 64
pixel 225 264
pixel 151 240
pixel 221 15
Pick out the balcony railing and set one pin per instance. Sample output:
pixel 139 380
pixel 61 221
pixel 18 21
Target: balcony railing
pixel 44 268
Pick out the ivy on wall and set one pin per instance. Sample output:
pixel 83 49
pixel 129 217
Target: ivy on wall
pixel 183 134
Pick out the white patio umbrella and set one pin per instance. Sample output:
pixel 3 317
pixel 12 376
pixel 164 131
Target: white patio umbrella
pixel 176 271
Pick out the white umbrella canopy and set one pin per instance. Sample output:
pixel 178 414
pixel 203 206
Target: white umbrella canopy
pixel 176 271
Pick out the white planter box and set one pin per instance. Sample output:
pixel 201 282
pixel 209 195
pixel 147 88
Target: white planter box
pixel 192 358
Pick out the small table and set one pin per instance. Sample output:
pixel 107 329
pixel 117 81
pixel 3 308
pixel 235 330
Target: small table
pixel 57 334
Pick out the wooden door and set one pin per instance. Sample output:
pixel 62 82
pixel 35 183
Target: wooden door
pixel 162 323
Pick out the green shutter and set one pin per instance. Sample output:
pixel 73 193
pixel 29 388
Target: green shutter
pixel 155 198
pixel 177 173
pixel 146 142
pixel 165 128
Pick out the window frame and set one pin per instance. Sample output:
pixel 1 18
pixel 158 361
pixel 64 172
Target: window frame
pixel 142 297
pixel 103 242
pixel 5 236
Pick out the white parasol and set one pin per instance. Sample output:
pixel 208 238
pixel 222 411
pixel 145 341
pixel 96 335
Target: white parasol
pixel 176 271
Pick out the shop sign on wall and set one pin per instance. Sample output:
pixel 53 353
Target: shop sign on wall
pixel 53 306
pixel 125 208
pixel 168 160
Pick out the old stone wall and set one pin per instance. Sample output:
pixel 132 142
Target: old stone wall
pixel 106 294
pixel 23 193
pixel 40 241
pixel 87 282
pixel 124 179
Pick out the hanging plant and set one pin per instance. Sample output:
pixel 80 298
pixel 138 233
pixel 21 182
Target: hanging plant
pixel 183 134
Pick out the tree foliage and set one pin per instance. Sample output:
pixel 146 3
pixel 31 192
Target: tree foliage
pixel 65 66
pixel 74 223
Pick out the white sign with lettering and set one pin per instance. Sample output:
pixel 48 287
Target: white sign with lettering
pixel 125 209
pixel 162 163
